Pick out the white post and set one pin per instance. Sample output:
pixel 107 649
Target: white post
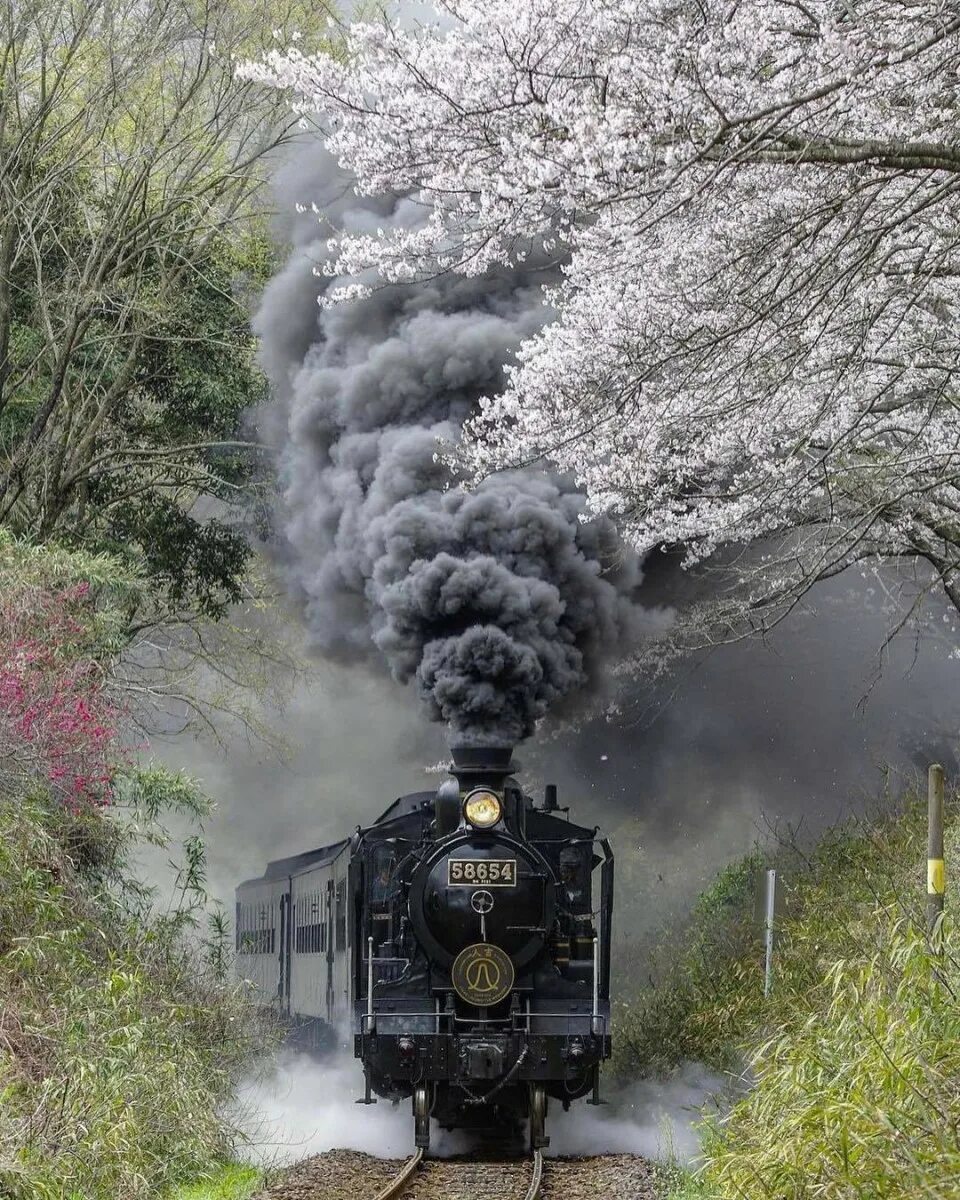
pixel 370 985
pixel 770 901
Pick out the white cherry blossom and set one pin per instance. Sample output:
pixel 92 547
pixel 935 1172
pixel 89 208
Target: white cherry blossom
pixel 758 210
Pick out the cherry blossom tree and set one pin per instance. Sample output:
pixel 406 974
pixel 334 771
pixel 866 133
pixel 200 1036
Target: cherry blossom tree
pixel 754 354
pixel 59 726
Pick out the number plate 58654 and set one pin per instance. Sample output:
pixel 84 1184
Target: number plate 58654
pixel 491 872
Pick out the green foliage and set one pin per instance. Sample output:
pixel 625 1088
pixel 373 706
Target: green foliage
pixel 152 791
pixel 694 1010
pixel 855 1056
pixel 195 564
pixel 858 1082
pixel 116 585
pixel 132 162
pixel 196 381
pixel 232 1181
pixel 679 1183
pixel 120 1043
pixel 122 1035
pixel 175 431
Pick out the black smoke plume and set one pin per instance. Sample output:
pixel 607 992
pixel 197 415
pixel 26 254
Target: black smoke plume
pixel 500 602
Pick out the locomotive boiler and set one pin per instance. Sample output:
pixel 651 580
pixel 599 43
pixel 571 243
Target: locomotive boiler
pixel 463 937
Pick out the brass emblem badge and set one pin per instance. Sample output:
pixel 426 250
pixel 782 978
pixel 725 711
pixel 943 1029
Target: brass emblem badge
pixel 482 974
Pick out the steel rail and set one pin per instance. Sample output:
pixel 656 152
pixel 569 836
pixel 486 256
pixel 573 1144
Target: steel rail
pixel 396 1185
pixel 403 1177
pixel 533 1191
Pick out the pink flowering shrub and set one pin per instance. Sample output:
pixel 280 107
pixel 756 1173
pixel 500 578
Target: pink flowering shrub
pixel 58 725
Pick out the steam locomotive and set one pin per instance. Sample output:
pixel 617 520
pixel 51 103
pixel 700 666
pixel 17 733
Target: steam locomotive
pixel 463 938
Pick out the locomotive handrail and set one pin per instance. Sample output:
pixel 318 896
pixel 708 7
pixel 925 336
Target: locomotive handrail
pixel 516 1019
pixel 523 1016
pixel 598 1022
pixel 596 985
pixel 370 1017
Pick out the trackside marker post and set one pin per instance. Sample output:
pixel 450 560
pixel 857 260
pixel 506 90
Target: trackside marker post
pixel 936 874
pixel 771 895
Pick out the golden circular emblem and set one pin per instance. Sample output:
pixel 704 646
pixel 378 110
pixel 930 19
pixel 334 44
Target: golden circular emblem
pixel 482 974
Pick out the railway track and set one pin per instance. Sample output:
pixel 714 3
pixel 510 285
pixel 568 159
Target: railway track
pixel 404 1175
pixel 400 1184
pixel 350 1175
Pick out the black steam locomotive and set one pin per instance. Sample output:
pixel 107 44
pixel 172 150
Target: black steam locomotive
pixel 462 939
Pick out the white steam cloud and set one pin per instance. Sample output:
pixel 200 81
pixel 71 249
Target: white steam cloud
pixel 307 1107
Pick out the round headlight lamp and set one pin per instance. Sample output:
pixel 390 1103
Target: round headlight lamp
pixel 482 808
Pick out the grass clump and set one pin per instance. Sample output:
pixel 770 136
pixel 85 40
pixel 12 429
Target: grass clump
pixel 119 1044
pixel 694 1010
pixel 858 1084
pixel 854 1059
pixel 229 1181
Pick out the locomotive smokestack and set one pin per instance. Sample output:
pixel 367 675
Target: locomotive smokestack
pixel 476 765
pixel 482 758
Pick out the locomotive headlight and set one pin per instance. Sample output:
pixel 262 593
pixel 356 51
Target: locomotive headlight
pixel 482 808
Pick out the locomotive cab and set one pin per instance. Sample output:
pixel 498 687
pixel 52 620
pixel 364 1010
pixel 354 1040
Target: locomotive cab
pixel 481 955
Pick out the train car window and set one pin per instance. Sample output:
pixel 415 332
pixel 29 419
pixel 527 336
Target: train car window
pixel 341 916
pixel 256 932
pixel 265 930
pixel 309 927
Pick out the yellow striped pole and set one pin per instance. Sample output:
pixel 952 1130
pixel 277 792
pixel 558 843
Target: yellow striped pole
pixel 936 876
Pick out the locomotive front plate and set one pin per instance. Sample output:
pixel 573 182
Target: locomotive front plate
pixel 512 874
pixel 491 872
pixel 482 974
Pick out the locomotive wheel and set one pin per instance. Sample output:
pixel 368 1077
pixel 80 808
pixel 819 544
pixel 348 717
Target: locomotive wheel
pixel 538 1117
pixel 421 1116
